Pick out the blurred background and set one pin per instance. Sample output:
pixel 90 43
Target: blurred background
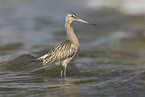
pixel 112 54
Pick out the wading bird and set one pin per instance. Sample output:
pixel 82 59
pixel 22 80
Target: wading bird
pixel 65 51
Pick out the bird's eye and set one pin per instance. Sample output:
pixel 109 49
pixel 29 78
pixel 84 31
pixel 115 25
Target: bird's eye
pixel 72 15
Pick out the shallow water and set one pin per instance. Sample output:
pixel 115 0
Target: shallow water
pixel 110 62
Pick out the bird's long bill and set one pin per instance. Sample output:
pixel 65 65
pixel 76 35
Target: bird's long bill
pixel 80 20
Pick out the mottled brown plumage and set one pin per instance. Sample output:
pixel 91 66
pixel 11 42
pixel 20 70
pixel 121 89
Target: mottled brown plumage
pixel 65 51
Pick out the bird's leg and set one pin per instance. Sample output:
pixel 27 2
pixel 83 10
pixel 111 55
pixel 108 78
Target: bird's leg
pixel 64 65
pixel 65 70
pixel 61 72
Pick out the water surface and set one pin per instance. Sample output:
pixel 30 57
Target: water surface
pixel 110 62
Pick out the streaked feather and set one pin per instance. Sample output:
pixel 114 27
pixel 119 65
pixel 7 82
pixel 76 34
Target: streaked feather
pixel 60 52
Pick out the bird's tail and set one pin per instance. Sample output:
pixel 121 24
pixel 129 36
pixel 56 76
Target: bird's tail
pixel 39 60
pixel 43 59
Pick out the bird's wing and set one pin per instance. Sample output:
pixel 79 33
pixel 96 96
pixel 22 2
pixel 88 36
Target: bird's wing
pixel 60 52
pixel 64 50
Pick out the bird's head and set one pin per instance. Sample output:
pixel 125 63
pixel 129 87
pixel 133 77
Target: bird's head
pixel 70 17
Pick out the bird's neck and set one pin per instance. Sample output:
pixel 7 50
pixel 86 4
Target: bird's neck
pixel 70 35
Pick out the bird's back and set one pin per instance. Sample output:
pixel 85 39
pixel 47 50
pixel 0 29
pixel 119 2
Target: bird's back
pixel 60 52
